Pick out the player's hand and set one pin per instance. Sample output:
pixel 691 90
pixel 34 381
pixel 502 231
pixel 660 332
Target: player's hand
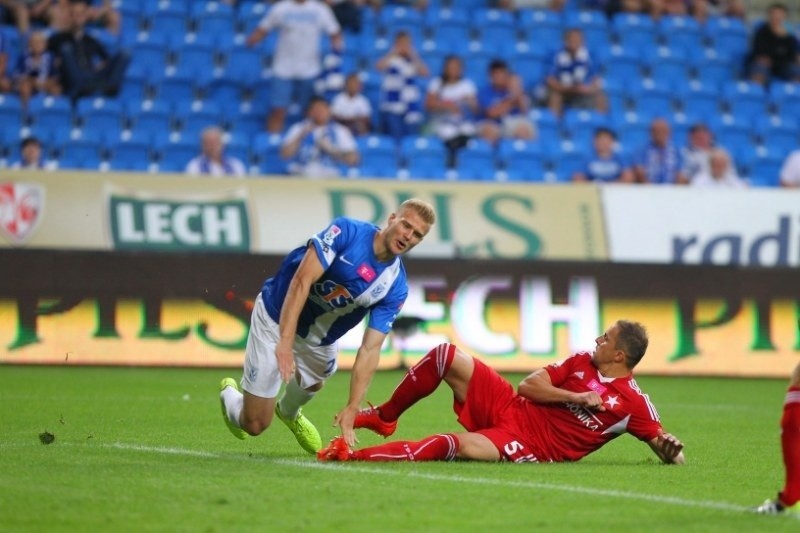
pixel 670 446
pixel 344 419
pixel 285 362
pixel 590 399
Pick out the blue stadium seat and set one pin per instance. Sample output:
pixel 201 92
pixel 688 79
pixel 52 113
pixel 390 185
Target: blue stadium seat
pixel 530 66
pixel 539 19
pixel 745 98
pixel 652 98
pixel 249 15
pixel 765 173
pixel 448 26
pixel 400 17
pixel 699 100
pixel 521 160
pixel 424 157
pixel 634 30
pixel 622 66
pixel 214 18
pixel 244 65
pixel 150 59
pixel 547 124
pixel 88 152
pixel 130 156
pixel 565 166
pixel 54 112
pixel 776 125
pixel 266 153
pixel 177 86
pixel 476 161
pixel 493 25
pixel 150 115
pixel 100 114
pixel 682 32
pixel 10 107
pixel 167 23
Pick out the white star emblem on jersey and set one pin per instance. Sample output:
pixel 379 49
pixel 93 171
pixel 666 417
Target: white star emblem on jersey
pixel 612 401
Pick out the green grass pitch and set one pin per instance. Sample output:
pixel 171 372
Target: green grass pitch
pixel 146 449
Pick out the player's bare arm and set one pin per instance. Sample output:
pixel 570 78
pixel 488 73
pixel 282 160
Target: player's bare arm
pixel 668 448
pixel 363 369
pixel 538 387
pixel 309 271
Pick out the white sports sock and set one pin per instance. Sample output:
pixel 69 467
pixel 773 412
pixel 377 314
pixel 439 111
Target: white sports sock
pixel 294 397
pixel 234 401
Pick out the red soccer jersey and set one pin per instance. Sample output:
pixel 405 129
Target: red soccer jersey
pixel 566 431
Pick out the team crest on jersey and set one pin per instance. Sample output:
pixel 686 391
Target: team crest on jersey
pixel 21 207
pixel 330 294
pixel 331 234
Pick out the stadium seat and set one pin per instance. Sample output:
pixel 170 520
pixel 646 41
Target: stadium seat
pixel 130 156
pixel 622 65
pixel 448 27
pixel 547 124
pixel 265 152
pixel 424 157
pixel 539 19
pixel 53 112
pixel 100 114
pixel 150 59
pixel 652 98
pixel 244 65
pixel 213 18
pixel 10 107
pixel 681 32
pixel 778 125
pixel 249 15
pixel 521 160
pixel 150 115
pixel 476 161
pixel 493 25
pixel 87 152
pixel 167 23
pixel 765 173
pixel 745 98
pixel 531 67
pixel 634 30
pixel 177 86
pixel 565 166
pixel 378 165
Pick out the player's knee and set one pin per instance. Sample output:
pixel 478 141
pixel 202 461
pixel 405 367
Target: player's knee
pixel 315 387
pixel 256 425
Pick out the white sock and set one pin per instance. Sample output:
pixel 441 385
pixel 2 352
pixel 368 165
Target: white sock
pixel 294 397
pixel 234 401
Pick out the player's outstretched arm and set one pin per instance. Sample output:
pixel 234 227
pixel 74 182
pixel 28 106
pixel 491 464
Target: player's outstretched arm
pixel 309 271
pixel 363 369
pixel 668 448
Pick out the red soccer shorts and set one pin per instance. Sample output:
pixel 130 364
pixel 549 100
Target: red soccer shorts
pixel 493 409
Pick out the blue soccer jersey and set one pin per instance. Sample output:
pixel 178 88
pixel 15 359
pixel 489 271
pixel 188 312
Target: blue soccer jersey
pixel 354 283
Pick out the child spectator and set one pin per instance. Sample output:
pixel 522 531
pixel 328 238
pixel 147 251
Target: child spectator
pixel 30 155
pixel 452 103
pixel 351 108
pixel 605 165
pixel 35 72
pixel 400 99
pixel 504 106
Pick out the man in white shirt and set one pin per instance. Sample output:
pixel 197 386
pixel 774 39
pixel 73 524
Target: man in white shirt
pixel 296 62
pixel 212 161
pixel 790 172
pixel 316 146
pixel 720 173
pixel 352 109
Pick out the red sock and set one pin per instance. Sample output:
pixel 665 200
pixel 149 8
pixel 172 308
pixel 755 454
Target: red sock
pixel 421 380
pixel 790 442
pixel 435 448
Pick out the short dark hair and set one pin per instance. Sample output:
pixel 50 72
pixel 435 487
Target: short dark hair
pixel 315 100
pixel 605 131
pixel 697 126
pixel 778 5
pixel 631 339
pixel 28 141
pixel 498 64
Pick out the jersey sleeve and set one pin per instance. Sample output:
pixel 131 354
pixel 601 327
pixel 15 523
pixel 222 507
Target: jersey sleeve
pixel 271 20
pixel 329 23
pixel 330 241
pixel 560 371
pixel 645 424
pixel 383 314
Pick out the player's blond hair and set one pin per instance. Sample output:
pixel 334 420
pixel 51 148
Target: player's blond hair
pixel 420 207
pixel 631 339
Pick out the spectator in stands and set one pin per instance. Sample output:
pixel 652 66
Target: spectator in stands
pixel 351 108
pixel 452 103
pixel 212 160
pixel 790 171
pixel 348 13
pixel 573 80
pixel 703 9
pixel 23 12
pixel 775 52
pixel 400 100
pixel 5 80
pixel 512 5
pixel 296 62
pixel 317 146
pixel 85 65
pixel 504 106
pixel 605 165
pixel 34 72
pixel 102 14
pixel 720 173
pixel 696 153
pixel 660 161
pixel 613 7
pixel 30 155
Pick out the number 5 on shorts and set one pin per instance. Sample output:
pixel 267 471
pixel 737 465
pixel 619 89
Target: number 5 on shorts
pixel 512 447
pixel 330 368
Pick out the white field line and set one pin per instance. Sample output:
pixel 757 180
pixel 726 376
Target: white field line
pixel 349 468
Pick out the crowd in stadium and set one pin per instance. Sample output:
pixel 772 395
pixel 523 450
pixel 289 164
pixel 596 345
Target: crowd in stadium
pixel 696 92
